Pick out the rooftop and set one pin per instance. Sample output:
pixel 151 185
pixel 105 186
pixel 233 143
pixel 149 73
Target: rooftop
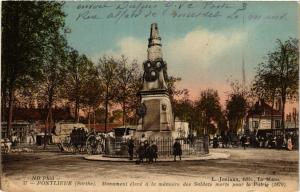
pixel 261 108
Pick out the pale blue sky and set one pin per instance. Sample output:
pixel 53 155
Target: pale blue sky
pixel 203 50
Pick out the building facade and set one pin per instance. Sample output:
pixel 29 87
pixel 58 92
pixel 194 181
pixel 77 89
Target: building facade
pixel 262 117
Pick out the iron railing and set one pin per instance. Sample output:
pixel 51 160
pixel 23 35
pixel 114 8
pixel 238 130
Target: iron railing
pixel 198 146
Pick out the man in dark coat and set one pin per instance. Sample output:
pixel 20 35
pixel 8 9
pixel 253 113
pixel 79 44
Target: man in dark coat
pixel 141 152
pixel 177 151
pixel 130 145
pixel 149 154
pixel 243 141
pixel 155 149
pixel 215 142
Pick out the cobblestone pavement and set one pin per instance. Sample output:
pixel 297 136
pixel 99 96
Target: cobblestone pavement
pixel 252 163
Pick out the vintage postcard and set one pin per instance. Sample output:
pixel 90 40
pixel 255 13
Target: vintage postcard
pixel 149 96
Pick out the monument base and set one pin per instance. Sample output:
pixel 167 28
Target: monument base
pixel 159 116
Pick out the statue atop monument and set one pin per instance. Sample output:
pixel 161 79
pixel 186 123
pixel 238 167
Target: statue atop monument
pixel 155 68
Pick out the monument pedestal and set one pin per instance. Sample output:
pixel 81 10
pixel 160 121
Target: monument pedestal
pixel 159 116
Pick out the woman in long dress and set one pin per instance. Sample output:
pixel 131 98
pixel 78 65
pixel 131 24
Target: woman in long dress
pixel 289 144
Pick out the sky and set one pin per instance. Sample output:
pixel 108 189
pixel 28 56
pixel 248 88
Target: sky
pixel 204 43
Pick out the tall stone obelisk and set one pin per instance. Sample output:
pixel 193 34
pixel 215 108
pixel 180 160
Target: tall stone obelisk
pixel 157 120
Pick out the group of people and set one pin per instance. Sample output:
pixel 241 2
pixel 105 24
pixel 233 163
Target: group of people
pixel 276 142
pixel 78 137
pixel 269 141
pixel 148 152
pixel 145 150
pixel 6 145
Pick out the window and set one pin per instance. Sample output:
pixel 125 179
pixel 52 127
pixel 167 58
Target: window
pixel 255 124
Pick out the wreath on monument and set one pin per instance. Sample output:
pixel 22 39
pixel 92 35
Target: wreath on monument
pixel 141 110
pixel 152 69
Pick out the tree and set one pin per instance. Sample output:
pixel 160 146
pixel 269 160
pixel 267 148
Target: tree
pixel 208 109
pixel 172 89
pixel 107 72
pixel 91 93
pixel 80 78
pixel 134 100
pixel 183 107
pixel 237 104
pixel 236 109
pixel 117 116
pixel 27 28
pixel 52 78
pixel 100 115
pixel 222 123
pixel 278 75
pixel 265 86
pixel 128 84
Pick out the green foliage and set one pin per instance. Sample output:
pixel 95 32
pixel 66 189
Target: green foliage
pixel 236 109
pixel 236 106
pixel 208 109
pixel 278 76
pixel 52 73
pixel 31 45
pixel 28 31
pixel 183 108
pixel 82 86
pixel 172 89
pixel 107 73
pixel 222 123
pixel 129 82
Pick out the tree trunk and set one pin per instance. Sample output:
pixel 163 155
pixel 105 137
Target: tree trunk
pixel 76 110
pixel 106 110
pixel 124 112
pixel 89 118
pixel 94 112
pixel 283 112
pixel 236 125
pixel 106 115
pixel 47 125
pixel 46 129
pixel 295 119
pixel 48 121
pixel 14 62
pixel 272 113
pixel 10 111
pixel 4 103
pixel 3 109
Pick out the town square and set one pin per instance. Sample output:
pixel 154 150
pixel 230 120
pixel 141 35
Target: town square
pixel 250 163
pixel 149 96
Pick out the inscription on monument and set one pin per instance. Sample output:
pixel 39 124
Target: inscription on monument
pixel 152 118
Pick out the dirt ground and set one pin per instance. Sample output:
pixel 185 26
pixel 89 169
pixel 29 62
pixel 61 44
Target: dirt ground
pixel 245 170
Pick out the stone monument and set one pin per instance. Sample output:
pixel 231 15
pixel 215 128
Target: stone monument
pixel 156 116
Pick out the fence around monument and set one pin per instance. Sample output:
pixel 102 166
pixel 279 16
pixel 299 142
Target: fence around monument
pixel 196 146
pixel 117 147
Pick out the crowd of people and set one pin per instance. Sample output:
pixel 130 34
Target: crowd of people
pixel 289 141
